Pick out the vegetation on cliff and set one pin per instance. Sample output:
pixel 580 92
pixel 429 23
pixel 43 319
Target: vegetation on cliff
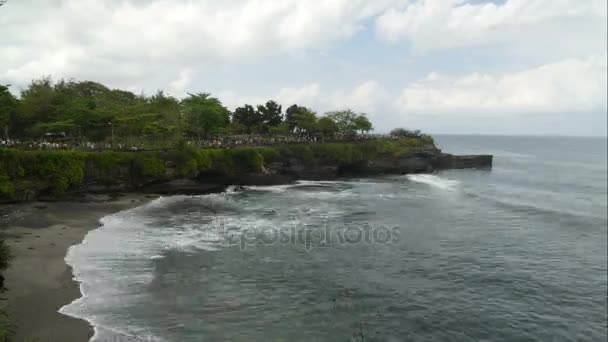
pixel 90 111
pixel 6 326
pixel 85 112
pixel 53 172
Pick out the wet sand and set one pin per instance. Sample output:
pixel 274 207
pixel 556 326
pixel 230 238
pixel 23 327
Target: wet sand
pixel 39 282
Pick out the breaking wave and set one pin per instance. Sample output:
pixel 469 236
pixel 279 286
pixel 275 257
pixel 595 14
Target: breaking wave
pixel 434 181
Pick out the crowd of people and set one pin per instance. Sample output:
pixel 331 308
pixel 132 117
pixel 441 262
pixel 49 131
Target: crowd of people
pixel 219 142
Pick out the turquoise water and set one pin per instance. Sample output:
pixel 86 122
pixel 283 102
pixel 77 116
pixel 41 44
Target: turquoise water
pixel 517 253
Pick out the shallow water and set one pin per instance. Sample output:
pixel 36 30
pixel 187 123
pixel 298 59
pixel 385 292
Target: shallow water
pixel 516 253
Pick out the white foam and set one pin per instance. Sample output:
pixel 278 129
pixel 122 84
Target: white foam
pixel 317 183
pixel 434 181
pixel 270 188
pixel 96 265
pixel 116 260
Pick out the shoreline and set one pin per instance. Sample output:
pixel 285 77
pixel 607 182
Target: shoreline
pixel 39 281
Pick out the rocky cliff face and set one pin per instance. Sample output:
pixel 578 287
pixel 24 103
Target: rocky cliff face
pixel 161 174
pixel 289 170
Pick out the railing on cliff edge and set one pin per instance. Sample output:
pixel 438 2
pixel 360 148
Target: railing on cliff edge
pixel 150 145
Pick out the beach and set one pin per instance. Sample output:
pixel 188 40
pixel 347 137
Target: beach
pixel 39 282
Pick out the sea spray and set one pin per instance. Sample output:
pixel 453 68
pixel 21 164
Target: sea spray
pixel 434 181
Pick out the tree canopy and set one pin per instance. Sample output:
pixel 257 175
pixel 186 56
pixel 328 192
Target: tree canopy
pixel 9 107
pixel 248 117
pixel 348 122
pixel 271 115
pixel 405 133
pixel 327 126
pixel 91 111
pixel 205 115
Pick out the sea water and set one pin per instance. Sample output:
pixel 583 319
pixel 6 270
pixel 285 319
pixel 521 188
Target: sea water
pixel 517 253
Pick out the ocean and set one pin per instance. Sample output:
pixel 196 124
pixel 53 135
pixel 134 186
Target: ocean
pixel 517 253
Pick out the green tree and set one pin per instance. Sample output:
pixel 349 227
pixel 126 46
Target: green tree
pixel 77 109
pixel 205 115
pixel 235 128
pixel 405 133
pixel 305 122
pixel 327 126
pixel 169 109
pixel 9 108
pixel 282 129
pixel 300 119
pixel 271 114
pixel 345 120
pixel 363 124
pixel 94 112
pixel 290 115
pixel 248 117
pixel 37 105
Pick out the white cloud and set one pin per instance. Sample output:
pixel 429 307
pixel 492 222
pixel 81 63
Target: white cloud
pixel 367 97
pixel 563 90
pixel 179 87
pixel 125 41
pixel 309 94
pixel 564 27
pixel 256 46
pixel 568 86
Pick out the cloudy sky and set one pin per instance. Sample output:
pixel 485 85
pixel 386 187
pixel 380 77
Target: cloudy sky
pixel 444 66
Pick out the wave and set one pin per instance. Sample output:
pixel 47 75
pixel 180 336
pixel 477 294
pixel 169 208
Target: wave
pixel 269 188
pixel 435 181
pixel 120 257
pixel 109 261
pixel 301 184
pixel 530 208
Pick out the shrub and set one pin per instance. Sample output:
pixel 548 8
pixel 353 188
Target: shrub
pixel 405 133
pixel 60 169
pixel 342 153
pixel 302 152
pixel 186 159
pixel 269 154
pixel 148 165
pixel 247 159
pixel 244 159
pixel 6 256
pixel 7 188
pixel 108 161
pixel 7 328
pixel 427 139
pixel 203 160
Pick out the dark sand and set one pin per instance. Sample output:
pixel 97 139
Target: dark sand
pixel 40 282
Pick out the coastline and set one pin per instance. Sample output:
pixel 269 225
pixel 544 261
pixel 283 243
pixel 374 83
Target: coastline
pixel 40 282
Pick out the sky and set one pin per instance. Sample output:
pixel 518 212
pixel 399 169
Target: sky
pixel 530 67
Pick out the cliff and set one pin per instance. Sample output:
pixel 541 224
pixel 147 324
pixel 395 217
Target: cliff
pixel 50 175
